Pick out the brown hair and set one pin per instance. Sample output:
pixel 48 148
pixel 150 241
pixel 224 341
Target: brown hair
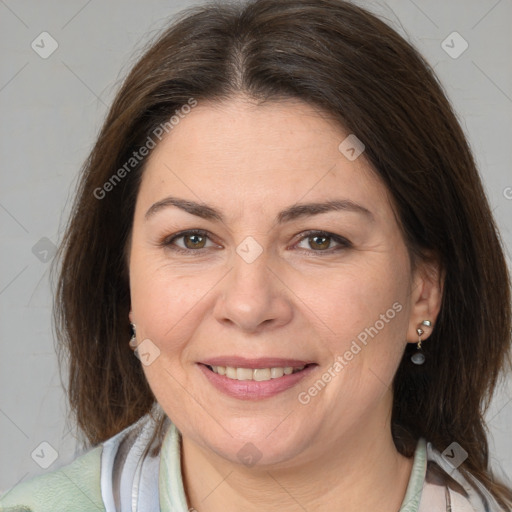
pixel 344 60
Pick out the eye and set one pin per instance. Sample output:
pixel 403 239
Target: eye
pixel 188 241
pixel 191 241
pixel 322 241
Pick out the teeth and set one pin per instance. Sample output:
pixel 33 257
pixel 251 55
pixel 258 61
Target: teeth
pixel 244 374
pixel 261 374
pixel 275 373
pixel 257 374
pixel 230 372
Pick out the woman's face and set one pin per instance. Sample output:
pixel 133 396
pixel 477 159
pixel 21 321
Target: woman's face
pixel 258 244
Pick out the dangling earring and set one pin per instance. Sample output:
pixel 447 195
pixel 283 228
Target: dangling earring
pixel 133 339
pixel 419 357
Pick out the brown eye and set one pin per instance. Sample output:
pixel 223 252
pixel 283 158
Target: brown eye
pixel 188 242
pixel 194 241
pixel 319 242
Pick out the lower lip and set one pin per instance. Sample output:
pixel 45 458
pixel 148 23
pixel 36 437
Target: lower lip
pixel 252 389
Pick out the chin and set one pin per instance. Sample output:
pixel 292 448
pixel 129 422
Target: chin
pixel 256 442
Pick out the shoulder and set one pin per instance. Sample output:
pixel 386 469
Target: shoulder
pixel 94 480
pixel 447 488
pixel 73 487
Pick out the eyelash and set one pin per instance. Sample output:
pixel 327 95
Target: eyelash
pixel 343 243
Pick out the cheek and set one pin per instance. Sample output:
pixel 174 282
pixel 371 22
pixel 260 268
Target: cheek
pixel 364 320
pixel 167 306
pixel 354 298
pixel 364 317
pixel 167 302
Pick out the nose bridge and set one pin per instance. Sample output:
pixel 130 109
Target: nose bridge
pixel 250 295
pixel 250 279
pixel 250 266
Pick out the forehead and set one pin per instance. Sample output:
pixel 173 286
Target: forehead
pixel 241 154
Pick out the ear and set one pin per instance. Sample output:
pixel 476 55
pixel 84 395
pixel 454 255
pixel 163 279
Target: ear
pixel 130 316
pixel 426 298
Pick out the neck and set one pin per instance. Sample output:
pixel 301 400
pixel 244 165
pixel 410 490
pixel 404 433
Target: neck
pixel 361 470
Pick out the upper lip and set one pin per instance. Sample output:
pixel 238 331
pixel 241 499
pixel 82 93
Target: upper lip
pixel 260 362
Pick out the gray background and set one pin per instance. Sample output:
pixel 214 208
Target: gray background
pixel 51 110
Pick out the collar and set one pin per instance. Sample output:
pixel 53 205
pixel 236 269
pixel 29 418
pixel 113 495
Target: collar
pixel 171 490
pixel 412 498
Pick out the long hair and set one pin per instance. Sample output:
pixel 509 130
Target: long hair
pixel 345 61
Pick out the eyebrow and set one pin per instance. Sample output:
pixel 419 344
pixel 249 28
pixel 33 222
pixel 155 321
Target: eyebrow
pixel 291 213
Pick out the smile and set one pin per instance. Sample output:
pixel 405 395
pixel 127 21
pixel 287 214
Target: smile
pixel 257 374
pixel 249 383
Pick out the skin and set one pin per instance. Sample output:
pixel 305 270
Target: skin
pixel 298 299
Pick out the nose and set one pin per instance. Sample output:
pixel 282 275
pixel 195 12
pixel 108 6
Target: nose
pixel 253 298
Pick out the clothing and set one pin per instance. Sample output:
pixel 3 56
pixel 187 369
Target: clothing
pixel 115 476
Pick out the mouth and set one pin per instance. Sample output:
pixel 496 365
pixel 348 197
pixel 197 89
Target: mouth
pixel 257 374
pixel 254 379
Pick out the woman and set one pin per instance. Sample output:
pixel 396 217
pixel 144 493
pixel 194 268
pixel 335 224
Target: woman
pixel 283 219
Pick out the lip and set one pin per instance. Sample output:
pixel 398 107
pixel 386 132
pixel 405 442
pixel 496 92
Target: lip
pixel 251 389
pixel 260 362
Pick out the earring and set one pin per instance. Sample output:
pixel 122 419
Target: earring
pixel 133 339
pixel 419 357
